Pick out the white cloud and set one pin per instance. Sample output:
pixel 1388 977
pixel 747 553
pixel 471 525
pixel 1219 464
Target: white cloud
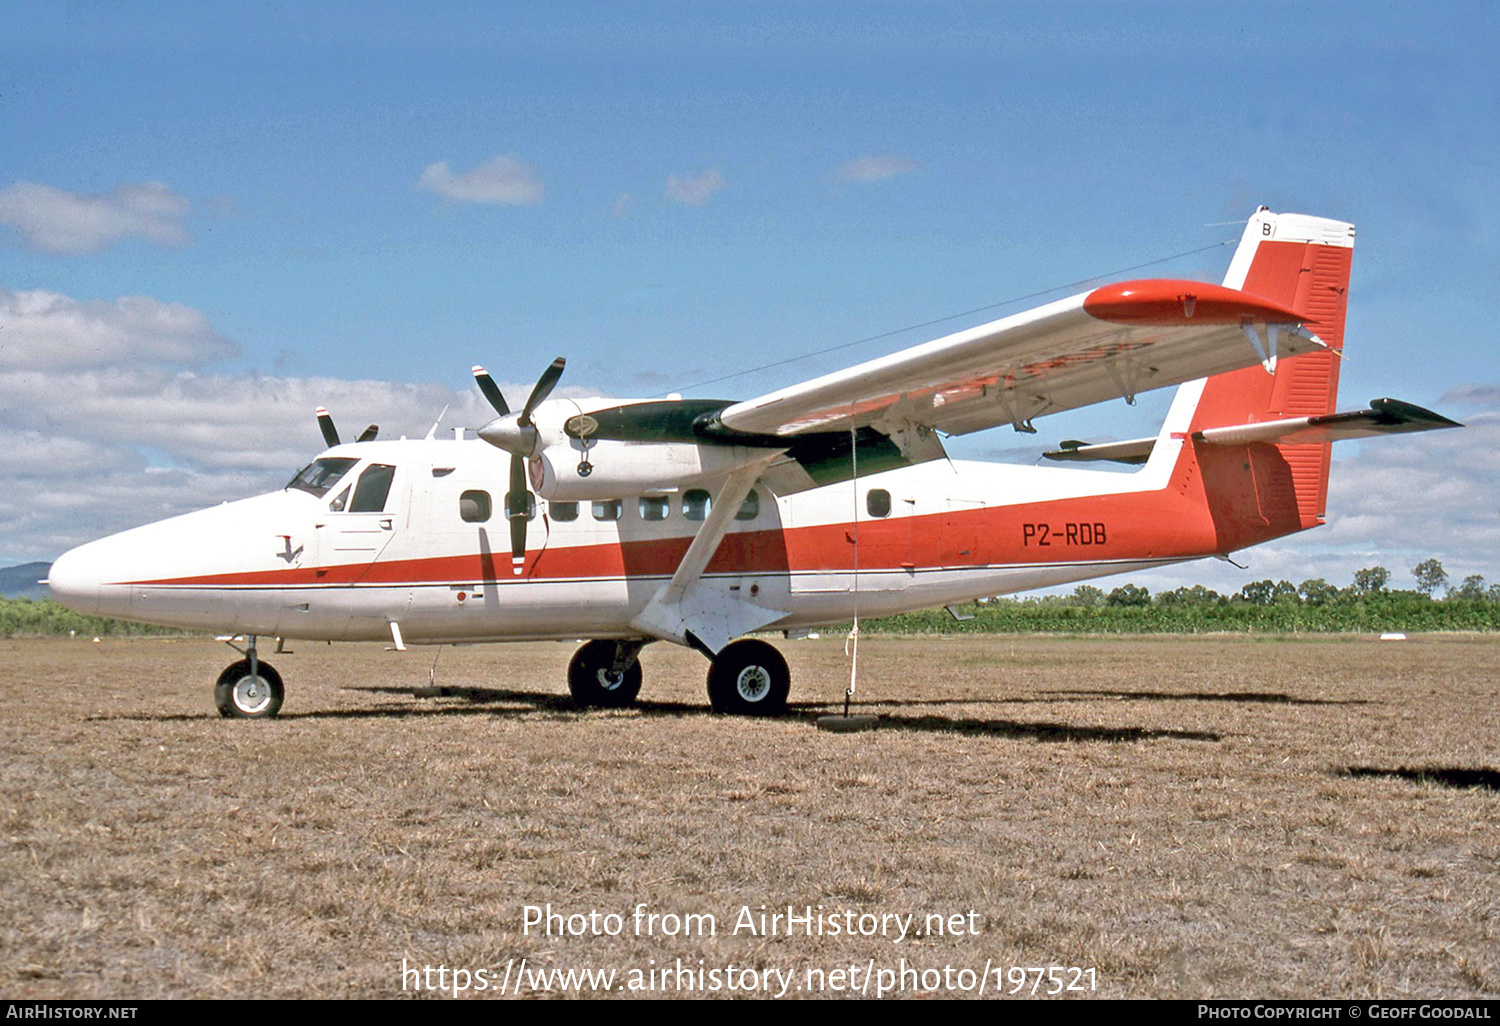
pixel 695 189
pixel 107 419
pixel 101 450
pixel 1473 395
pixel 1433 494
pixel 218 421
pixel 42 330
pixel 72 223
pixel 622 205
pixel 874 168
pixel 505 179
pixel 40 455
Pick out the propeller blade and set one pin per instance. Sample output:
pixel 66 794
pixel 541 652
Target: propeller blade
pixel 325 424
pixel 517 505
pixel 369 433
pixel 544 386
pixel 491 390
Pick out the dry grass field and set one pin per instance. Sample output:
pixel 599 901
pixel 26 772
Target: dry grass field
pixel 1221 817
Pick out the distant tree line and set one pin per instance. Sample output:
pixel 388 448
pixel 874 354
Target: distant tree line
pixel 23 618
pixel 1366 604
pixel 1370 583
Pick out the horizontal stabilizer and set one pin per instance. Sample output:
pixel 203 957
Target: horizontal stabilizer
pixel 1136 450
pixel 1384 417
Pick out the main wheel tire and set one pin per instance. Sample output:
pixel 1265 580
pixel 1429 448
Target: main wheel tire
pixel 593 682
pixel 243 697
pixel 749 678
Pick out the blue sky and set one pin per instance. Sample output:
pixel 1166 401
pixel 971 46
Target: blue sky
pixel 352 203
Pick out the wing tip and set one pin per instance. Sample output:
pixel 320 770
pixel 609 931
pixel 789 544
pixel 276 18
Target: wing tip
pixel 1172 302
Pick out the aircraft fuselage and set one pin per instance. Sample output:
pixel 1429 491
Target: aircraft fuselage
pixel 433 554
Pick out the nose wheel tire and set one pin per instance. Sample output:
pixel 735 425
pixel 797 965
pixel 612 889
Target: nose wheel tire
pixel 594 682
pixel 749 678
pixel 241 696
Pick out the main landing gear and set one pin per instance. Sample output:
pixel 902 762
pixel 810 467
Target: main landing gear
pixel 746 678
pixel 249 689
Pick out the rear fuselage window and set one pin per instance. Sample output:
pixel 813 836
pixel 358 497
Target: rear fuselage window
pixel 750 508
pixel 878 502
pixel 373 487
pixel 474 507
pixel 696 503
pixel 321 475
pixel 654 507
pixel 563 512
pixel 608 509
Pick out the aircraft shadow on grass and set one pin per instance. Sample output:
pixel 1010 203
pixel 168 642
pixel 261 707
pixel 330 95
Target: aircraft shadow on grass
pixel 1449 776
pixel 1267 697
pixel 513 702
pixel 481 702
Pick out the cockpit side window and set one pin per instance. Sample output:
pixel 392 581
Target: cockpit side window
pixel 374 485
pixel 321 475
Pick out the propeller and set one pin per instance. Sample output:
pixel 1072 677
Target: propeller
pixel 331 433
pixel 325 424
pixel 516 434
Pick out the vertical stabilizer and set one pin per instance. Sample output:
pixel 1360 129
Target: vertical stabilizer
pixel 1302 262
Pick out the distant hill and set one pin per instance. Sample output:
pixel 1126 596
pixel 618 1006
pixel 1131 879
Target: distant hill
pixel 20 581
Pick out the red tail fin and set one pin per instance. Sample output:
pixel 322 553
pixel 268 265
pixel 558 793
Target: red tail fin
pixel 1302 262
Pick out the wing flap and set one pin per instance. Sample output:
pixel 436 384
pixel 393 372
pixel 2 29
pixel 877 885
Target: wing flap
pixel 1112 342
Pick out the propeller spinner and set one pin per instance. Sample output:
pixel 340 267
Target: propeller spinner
pixel 516 434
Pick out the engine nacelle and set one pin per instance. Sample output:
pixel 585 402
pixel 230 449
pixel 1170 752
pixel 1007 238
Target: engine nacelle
pixel 566 471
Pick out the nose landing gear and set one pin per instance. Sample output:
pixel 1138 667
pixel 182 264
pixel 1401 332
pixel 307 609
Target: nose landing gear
pixel 605 674
pixel 249 689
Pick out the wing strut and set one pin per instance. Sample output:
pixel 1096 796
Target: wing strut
pixel 705 618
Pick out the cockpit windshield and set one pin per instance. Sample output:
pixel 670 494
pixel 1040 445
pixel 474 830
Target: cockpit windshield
pixel 320 475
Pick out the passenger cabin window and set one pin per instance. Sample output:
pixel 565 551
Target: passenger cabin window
pixel 563 512
pixel 373 487
pixel 608 509
pixel 474 507
pixel 654 507
pixel 878 502
pixel 321 475
pixel 696 503
pixel 526 505
pixel 750 508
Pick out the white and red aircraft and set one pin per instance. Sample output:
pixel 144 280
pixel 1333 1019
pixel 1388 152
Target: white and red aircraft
pixel 699 522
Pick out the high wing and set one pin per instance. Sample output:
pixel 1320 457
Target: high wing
pixel 1109 343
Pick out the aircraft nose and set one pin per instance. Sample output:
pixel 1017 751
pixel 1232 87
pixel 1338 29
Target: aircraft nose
pixel 75 580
